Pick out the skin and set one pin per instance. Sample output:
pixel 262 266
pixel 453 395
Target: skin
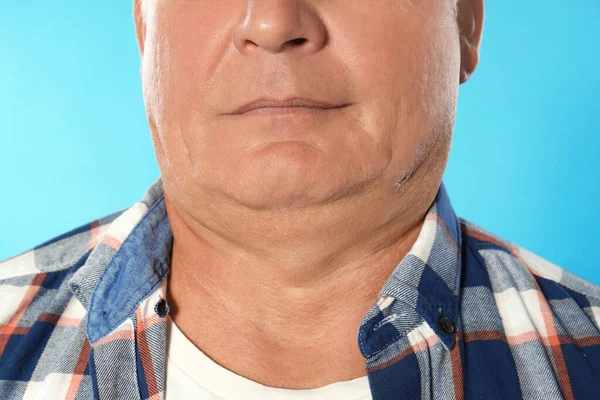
pixel 286 228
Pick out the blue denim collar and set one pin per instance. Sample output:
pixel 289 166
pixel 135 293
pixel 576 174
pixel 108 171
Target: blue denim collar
pixel 111 284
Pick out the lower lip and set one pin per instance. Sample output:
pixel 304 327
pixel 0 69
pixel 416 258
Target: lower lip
pixel 288 111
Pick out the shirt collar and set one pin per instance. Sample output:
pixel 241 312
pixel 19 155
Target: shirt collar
pixel 426 280
pixel 130 260
pixel 133 256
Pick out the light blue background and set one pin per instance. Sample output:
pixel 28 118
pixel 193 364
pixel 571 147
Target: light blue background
pixel 74 142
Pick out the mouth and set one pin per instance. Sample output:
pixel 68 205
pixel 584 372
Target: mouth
pixel 290 106
pixel 288 111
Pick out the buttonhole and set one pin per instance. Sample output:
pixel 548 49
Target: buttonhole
pixel 387 320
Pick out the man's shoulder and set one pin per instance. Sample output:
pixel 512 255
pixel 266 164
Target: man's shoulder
pixel 58 253
pixel 40 315
pixel 512 271
pixel 34 283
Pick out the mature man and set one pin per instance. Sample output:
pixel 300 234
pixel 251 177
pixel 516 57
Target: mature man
pixel 299 242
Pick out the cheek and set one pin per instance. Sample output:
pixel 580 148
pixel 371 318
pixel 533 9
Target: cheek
pixel 413 79
pixel 182 53
pixel 410 82
pixel 174 73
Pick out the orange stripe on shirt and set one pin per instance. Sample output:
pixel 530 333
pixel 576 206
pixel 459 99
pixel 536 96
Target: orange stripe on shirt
pixel 77 377
pixel 9 329
pixel 111 242
pixel 552 339
pixel 456 361
pixel 145 356
pixel 94 229
pixel 118 335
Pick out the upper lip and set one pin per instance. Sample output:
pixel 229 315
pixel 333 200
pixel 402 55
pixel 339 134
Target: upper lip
pixel 290 102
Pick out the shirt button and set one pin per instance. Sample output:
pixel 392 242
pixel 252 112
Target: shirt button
pixel 161 308
pixel 446 325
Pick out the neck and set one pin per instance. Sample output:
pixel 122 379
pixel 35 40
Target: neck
pixel 306 272
pixel 293 254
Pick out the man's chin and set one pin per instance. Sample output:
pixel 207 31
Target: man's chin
pixel 266 197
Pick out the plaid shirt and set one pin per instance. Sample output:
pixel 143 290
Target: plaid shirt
pixel 464 315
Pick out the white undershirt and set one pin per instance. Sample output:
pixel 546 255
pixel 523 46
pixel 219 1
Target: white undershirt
pixel 191 374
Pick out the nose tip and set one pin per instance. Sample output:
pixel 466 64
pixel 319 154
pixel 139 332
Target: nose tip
pixel 275 26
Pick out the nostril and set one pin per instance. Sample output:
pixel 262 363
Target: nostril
pixel 298 41
pixel 294 43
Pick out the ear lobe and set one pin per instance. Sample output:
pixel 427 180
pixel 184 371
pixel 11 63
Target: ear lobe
pixel 140 25
pixel 470 25
pixel 469 58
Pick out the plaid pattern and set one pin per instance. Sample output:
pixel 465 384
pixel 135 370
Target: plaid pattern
pixel 464 315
